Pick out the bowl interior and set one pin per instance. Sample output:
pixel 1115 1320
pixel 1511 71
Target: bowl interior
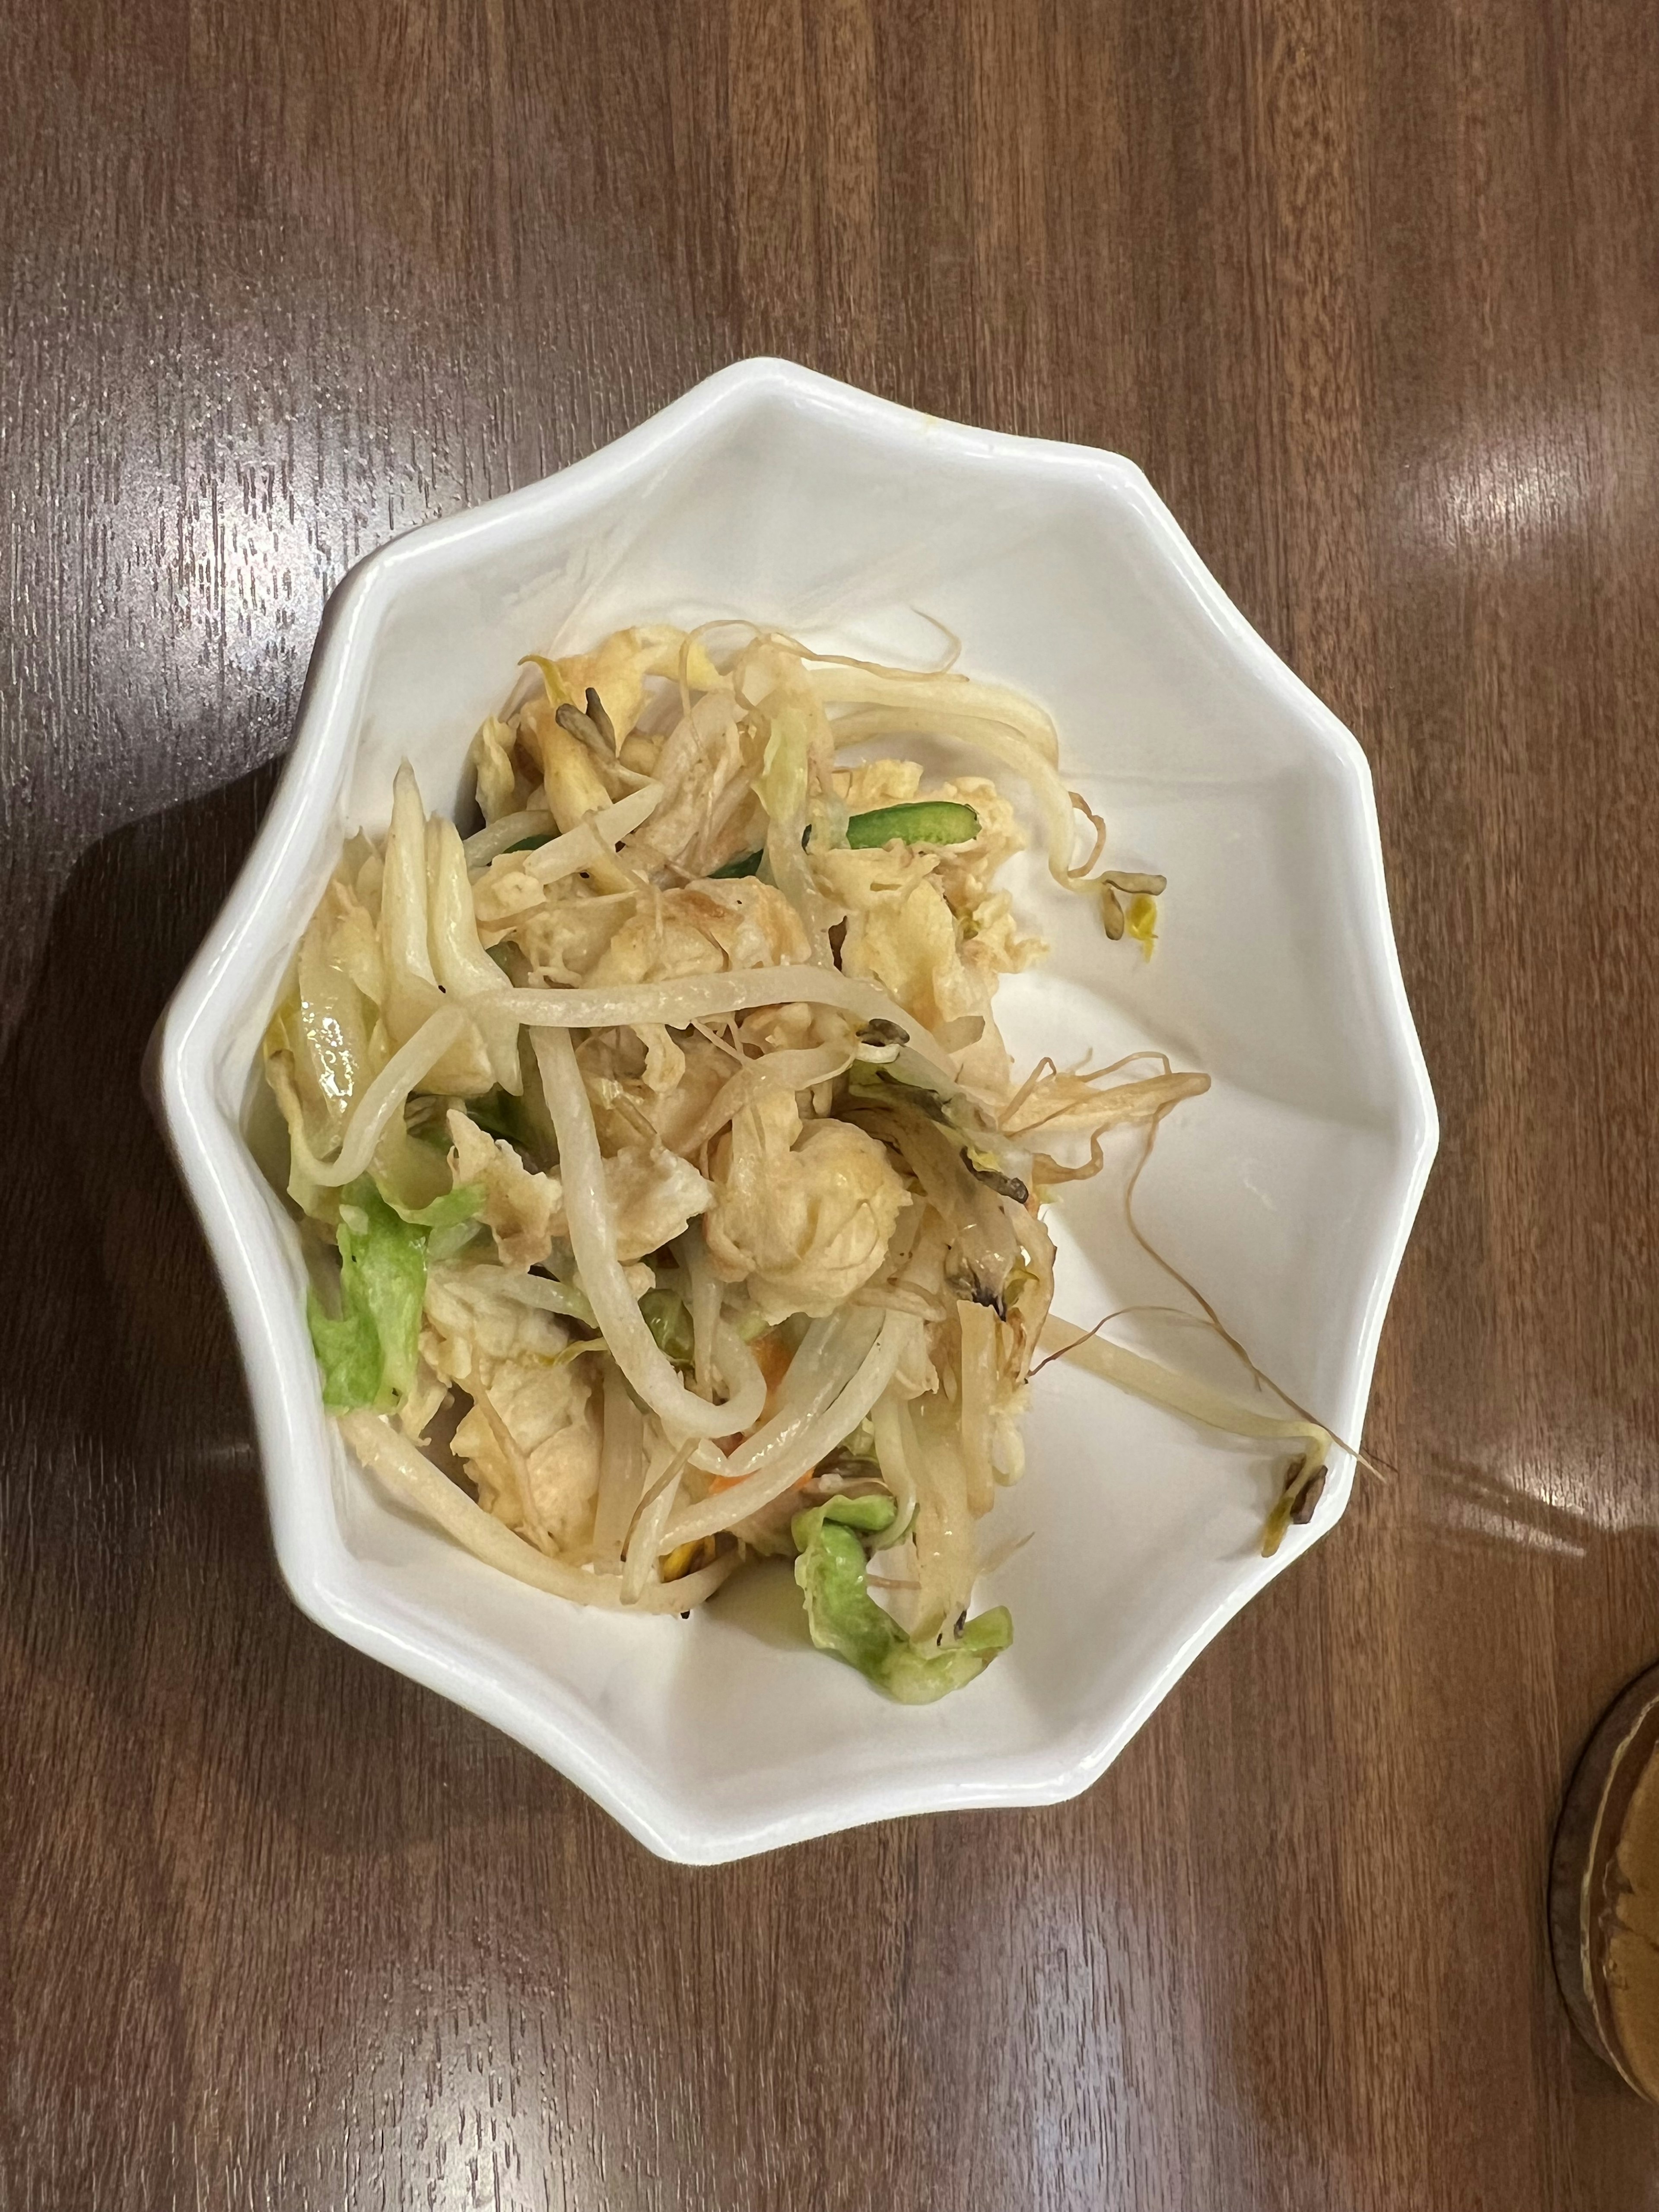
pixel 1286 1191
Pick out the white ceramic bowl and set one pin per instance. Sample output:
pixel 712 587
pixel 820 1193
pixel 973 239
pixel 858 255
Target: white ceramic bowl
pixel 1288 1190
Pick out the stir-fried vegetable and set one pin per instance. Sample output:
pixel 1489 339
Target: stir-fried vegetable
pixel 665 1136
pixel 843 1618
pixel 931 822
pixel 367 1352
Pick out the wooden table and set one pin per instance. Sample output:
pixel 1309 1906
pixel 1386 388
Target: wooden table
pixel 1369 290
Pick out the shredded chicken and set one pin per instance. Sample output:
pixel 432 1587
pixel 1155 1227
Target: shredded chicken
pixel 523 1207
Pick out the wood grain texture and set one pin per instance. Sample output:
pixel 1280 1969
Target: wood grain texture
pixel 1371 293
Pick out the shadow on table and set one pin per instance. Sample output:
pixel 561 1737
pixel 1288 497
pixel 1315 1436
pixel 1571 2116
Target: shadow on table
pixel 120 1355
pixel 131 1514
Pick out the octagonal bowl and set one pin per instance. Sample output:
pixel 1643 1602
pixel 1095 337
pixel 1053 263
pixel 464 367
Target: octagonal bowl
pixel 1287 1191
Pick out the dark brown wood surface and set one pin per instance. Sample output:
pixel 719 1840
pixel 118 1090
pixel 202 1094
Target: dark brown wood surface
pixel 1372 292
